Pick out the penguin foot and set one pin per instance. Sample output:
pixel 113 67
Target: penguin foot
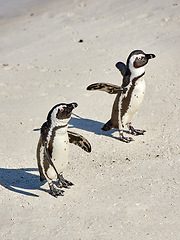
pixel 125 139
pixel 63 182
pixel 55 191
pixel 136 131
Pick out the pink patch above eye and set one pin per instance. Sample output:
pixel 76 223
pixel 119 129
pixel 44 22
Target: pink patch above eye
pixel 141 56
pixel 62 108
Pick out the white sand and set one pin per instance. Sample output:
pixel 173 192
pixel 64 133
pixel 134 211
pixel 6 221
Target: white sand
pixel 122 191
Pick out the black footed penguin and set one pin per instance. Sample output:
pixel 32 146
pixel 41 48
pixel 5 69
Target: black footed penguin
pixel 53 147
pixel 129 95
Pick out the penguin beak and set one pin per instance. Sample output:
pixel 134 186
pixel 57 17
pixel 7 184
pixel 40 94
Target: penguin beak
pixel 74 105
pixel 71 106
pixel 150 56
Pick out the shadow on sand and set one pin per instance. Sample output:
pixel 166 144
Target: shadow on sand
pixel 20 180
pixel 89 125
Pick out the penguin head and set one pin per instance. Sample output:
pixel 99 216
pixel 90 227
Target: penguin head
pixel 61 113
pixel 138 59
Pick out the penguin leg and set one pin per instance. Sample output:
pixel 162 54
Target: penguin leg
pixel 63 182
pixel 54 190
pixel 134 131
pixel 124 139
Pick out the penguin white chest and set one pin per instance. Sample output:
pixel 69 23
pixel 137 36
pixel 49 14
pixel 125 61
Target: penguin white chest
pixel 60 151
pixel 135 100
pixel 137 95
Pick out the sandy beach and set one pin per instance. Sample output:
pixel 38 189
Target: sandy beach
pixel 121 191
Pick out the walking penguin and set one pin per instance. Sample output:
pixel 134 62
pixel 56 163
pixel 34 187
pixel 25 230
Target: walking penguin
pixel 129 95
pixel 53 147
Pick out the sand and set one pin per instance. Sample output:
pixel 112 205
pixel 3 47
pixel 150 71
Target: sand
pixel 121 191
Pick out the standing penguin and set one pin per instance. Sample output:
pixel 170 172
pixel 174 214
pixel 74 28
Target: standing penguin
pixel 129 95
pixel 53 146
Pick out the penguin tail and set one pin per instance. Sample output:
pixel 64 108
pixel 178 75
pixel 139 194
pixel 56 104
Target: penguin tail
pixel 108 126
pixel 42 178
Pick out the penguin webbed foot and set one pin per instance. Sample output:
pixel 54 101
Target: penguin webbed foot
pixel 123 138
pixel 63 182
pixel 126 139
pixel 136 132
pixel 55 191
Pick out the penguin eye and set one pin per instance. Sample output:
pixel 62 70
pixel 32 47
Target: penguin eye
pixel 61 109
pixel 140 57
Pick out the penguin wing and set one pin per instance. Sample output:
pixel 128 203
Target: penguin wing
pixel 122 68
pixel 38 155
pixel 80 141
pixel 106 87
pixel 126 81
pixel 47 151
pixel 44 132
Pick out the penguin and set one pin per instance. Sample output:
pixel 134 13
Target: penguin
pixel 53 147
pixel 129 95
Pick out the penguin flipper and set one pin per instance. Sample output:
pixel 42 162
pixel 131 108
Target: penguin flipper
pixel 106 87
pixel 122 68
pixel 39 146
pixel 47 151
pixel 79 140
pixel 44 132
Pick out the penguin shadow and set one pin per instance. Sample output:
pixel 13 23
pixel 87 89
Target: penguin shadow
pixel 89 125
pixel 20 180
pixel 92 126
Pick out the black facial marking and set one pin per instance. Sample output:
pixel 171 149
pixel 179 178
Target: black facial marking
pixel 50 112
pixel 64 112
pixel 139 62
pixel 135 52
